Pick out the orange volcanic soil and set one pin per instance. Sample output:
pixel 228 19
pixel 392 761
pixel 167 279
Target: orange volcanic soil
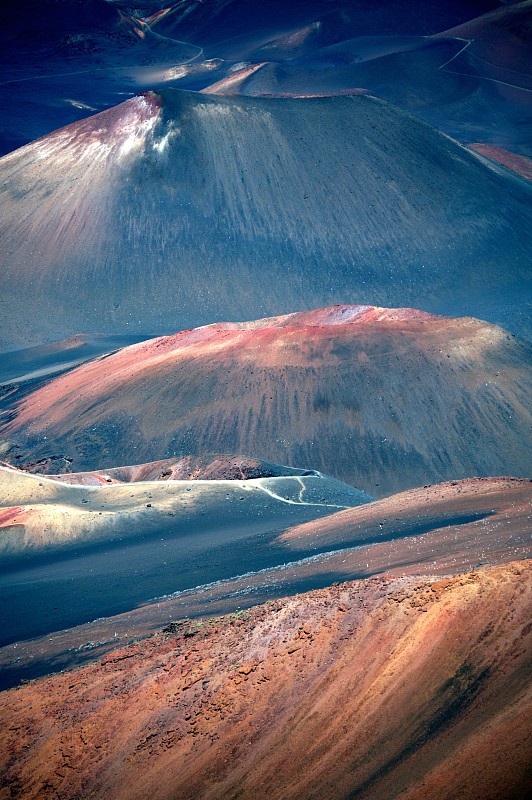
pixel 488 516
pixel 408 688
pixel 383 399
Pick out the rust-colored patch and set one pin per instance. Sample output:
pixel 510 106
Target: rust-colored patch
pixel 519 164
pixel 384 699
pixel 15 515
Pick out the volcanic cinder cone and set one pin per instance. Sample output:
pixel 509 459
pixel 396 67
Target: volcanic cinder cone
pixel 177 209
pixel 383 399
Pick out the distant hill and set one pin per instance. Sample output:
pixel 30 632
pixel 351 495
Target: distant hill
pixel 173 211
pixel 384 399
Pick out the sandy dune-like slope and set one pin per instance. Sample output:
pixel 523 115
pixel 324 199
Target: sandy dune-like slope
pixel 177 209
pixel 70 552
pixel 385 688
pixel 43 515
pixel 34 363
pixel 205 625
pixel 383 399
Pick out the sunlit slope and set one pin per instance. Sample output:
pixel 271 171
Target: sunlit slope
pixel 387 688
pixel 384 399
pixel 177 209
pixel 39 515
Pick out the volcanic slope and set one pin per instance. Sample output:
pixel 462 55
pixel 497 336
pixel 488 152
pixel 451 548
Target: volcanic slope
pixel 379 689
pixel 472 82
pixel 215 466
pixel 34 363
pixel 63 60
pixel 176 209
pixel 382 399
pixel 282 31
pixel 438 530
pixel 42 514
pixel 69 553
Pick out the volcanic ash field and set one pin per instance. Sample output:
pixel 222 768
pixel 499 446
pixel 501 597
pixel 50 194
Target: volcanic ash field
pixel 265 416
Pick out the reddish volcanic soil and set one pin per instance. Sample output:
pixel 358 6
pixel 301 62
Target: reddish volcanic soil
pixel 408 688
pixel 189 468
pixel 519 164
pixel 486 516
pixel 383 399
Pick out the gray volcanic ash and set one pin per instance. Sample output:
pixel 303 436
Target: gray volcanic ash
pixel 387 688
pixel 172 210
pixel 383 399
pixel 35 363
pixel 473 81
pixel 63 59
pixel 40 514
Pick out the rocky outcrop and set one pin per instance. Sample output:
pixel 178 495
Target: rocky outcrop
pixel 383 688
